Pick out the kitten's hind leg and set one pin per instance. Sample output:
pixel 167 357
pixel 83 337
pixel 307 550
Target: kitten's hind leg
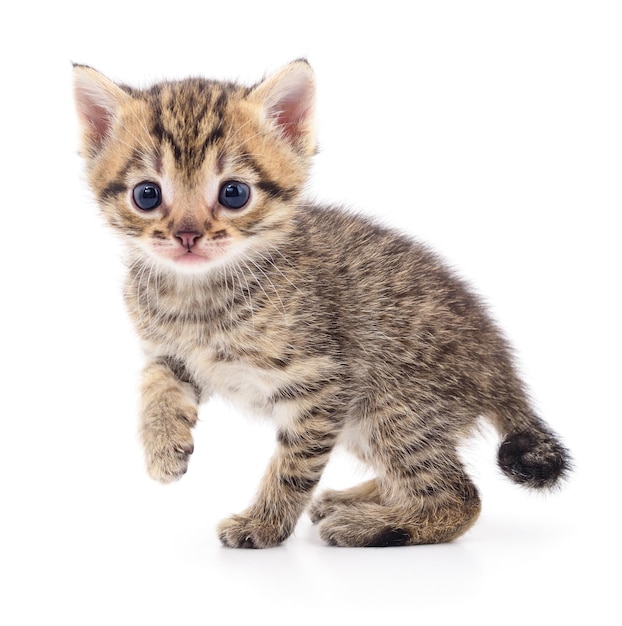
pixel 416 516
pixel 329 501
pixel 168 412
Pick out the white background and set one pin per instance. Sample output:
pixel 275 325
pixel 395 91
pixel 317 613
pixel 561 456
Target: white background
pixel 491 130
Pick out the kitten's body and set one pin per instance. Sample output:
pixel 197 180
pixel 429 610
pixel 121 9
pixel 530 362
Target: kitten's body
pixel 338 329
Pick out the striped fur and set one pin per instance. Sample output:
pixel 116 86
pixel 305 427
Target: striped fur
pixel 341 331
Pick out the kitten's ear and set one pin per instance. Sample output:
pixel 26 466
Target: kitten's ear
pixel 287 99
pixel 97 101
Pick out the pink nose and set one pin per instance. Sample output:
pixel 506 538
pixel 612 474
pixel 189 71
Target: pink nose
pixel 188 237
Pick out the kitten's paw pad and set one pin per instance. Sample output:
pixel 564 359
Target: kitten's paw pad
pixel 167 460
pixel 323 506
pixel 240 531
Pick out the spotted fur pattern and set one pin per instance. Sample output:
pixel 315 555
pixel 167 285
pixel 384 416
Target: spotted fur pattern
pixel 341 331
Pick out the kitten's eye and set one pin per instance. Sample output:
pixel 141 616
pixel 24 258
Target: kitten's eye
pixel 147 196
pixel 234 194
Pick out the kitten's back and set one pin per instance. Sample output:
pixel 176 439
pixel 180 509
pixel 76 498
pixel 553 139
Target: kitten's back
pixel 410 323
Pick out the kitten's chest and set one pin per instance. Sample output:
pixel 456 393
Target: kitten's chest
pixel 212 318
pixel 248 386
pixel 251 384
pixel 242 357
pixel 248 345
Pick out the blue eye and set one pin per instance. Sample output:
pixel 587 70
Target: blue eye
pixel 234 194
pixel 147 196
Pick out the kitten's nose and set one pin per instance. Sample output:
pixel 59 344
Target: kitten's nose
pixel 188 237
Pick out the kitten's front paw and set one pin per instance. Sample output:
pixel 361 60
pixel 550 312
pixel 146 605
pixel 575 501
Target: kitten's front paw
pixel 240 531
pixel 168 454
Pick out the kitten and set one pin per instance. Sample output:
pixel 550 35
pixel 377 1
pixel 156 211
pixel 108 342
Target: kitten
pixel 342 331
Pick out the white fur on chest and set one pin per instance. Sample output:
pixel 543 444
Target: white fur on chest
pixel 249 388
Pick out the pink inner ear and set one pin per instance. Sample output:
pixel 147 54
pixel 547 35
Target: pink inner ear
pixel 291 114
pixel 95 110
pixel 99 122
pixel 292 106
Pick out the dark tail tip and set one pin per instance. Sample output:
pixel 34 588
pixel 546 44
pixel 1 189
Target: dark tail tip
pixel 535 460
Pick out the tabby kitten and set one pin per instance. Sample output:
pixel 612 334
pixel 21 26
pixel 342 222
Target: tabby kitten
pixel 342 331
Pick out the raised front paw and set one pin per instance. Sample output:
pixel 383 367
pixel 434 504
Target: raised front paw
pixel 168 451
pixel 243 531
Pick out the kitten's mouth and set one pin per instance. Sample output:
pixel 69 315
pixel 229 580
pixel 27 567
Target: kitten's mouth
pixel 193 258
pixel 202 256
pixel 190 257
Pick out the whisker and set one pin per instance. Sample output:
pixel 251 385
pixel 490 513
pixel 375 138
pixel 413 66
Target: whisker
pixel 228 144
pixel 230 295
pixel 143 152
pixel 270 259
pixel 284 312
pixel 143 123
pixel 240 273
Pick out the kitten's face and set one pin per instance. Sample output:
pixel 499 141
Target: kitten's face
pixel 195 173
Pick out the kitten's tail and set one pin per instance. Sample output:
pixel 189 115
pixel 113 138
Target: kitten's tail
pixel 533 456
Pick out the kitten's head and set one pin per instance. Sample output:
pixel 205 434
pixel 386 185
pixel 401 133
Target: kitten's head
pixel 195 172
